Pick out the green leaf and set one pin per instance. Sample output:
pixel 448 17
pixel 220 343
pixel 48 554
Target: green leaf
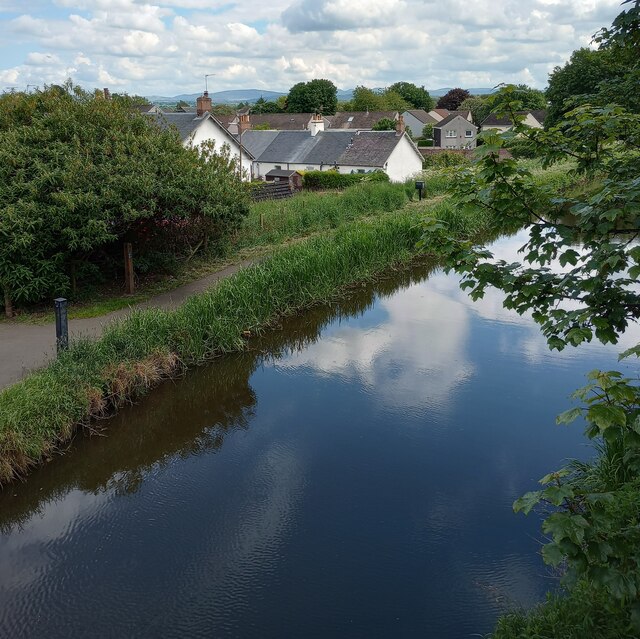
pixel 605 416
pixel 527 502
pixel 552 554
pixel 568 416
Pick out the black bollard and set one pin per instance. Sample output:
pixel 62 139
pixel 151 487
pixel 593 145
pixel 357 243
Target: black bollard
pixel 62 325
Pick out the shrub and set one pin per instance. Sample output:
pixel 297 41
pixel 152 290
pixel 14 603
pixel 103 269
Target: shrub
pixel 79 174
pixel 317 180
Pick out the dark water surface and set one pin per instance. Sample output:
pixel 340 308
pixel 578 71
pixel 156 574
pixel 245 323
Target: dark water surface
pixel 351 476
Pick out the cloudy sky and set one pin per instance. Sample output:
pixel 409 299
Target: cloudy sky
pixel 166 46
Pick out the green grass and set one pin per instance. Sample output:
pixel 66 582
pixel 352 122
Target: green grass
pixel 94 378
pixel 581 614
pixel 277 221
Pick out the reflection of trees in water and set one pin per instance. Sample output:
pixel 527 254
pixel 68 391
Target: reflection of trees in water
pixel 186 417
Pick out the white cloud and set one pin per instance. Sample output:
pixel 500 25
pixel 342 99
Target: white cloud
pixel 273 45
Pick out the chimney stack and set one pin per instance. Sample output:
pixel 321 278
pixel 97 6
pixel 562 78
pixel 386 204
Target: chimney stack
pixel 203 104
pixel 316 125
pixel 400 126
pixel 244 123
pixel 107 94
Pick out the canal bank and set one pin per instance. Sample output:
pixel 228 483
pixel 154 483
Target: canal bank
pixel 348 475
pixel 94 378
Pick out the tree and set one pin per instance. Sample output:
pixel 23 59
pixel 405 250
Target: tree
pixel 182 104
pixel 316 96
pixel 479 107
pixel 577 82
pixel 527 97
pixel 427 131
pixel 365 99
pixel 79 174
pixel 384 124
pixel 392 101
pixel 453 99
pixel 417 97
pixel 262 106
pixel 130 100
pixel 578 278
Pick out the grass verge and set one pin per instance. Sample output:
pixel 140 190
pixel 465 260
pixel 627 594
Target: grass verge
pixel 94 378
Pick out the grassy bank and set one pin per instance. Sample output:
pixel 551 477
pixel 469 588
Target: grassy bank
pixel 94 378
pixel 269 223
pixel 276 221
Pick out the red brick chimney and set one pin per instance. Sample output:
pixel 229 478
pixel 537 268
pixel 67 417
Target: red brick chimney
pixel 203 104
pixel 400 126
pixel 244 123
pixel 107 94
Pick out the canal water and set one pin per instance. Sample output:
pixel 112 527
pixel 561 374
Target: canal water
pixel 351 475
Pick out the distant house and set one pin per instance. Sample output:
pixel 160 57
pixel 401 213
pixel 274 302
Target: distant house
pixel 415 119
pixel 146 108
pixel 358 120
pixel 439 114
pixel 534 119
pixel 198 128
pixel 347 151
pixel 456 131
pixel 271 121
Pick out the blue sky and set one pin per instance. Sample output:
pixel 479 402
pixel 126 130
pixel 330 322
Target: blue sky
pixel 166 46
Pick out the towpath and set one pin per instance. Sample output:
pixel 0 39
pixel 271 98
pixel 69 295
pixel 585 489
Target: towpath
pixel 26 347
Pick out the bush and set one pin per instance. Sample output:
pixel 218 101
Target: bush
pixel 425 142
pixel 317 180
pixel 80 174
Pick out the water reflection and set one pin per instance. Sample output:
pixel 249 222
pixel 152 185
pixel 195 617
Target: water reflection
pixel 349 476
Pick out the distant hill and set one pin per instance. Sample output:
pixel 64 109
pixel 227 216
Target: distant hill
pixel 252 95
pixel 438 93
pixel 219 97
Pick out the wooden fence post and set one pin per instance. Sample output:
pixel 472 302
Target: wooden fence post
pixel 129 283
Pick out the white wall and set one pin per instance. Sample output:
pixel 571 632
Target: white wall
pixel 404 162
pixel 209 131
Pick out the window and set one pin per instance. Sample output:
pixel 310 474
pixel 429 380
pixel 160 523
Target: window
pixel 350 119
pixel 468 134
pixel 360 170
pixel 278 167
pixel 311 168
pixel 450 134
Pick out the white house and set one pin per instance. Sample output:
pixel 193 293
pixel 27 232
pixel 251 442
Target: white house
pixel 201 127
pixel 345 151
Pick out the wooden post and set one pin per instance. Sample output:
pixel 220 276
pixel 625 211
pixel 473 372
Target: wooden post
pixel 8 304
pixel 129 284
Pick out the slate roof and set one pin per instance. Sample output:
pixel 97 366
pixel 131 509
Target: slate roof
pixel 370 148
pixel 367 148
pixel 257 141
pixel 282 121
pixel 363 120
pixel 422 115
pixel 186 123
pixel 452 116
